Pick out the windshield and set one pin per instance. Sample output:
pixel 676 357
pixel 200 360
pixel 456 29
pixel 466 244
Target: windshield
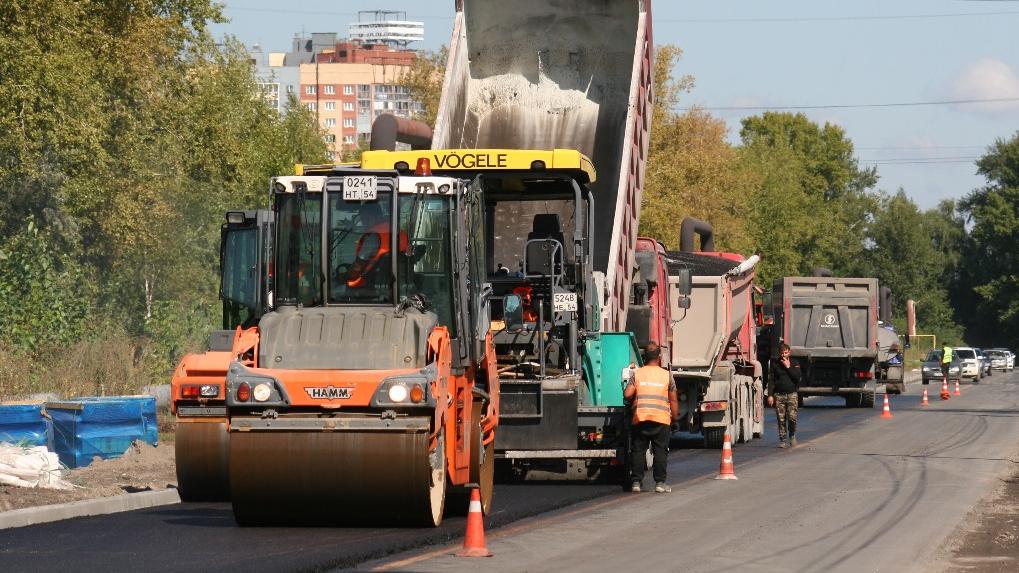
pixel 966 354
pixel 298 262
pixel 359 243
pixel 934 356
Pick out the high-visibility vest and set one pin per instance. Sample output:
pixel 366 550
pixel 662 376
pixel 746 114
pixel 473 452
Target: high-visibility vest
pixel 947 356
pixel 652 402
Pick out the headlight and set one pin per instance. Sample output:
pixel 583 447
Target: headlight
pixel 397 393
pixel 262 392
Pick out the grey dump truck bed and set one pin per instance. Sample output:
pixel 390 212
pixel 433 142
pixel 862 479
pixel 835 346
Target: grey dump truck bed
pixel 830 325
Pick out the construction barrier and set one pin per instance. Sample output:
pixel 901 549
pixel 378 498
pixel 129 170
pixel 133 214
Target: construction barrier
pixel 84 428
pixel 25 425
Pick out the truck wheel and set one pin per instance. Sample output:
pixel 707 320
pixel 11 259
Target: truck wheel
pixel 714 438
pixel 854 400
pixel 867 400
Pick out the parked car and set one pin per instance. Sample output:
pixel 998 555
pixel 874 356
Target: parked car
pixel 999 359
pixel 930 369
pixel 985 362
pixel 969 362
pixel 1006 355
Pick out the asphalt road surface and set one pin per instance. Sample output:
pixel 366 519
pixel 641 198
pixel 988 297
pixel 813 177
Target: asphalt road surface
pixel 858 493
pixel 878 495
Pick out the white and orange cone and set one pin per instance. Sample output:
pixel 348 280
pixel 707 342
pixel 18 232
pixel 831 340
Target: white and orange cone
pixel 924 402
pixel 944 389
pixel 957 392
pixel 886 410
pixel 474 541
pixel 726 470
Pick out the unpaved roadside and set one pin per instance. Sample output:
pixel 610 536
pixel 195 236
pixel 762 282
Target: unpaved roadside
pixel 988 542
pixel 143 467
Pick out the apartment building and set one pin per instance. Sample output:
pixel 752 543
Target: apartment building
pixel 347 97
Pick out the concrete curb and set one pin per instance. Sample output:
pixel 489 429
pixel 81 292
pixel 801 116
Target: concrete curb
pixel 101 506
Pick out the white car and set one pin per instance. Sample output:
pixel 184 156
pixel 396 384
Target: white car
pixel 1002 359
pixel 970 362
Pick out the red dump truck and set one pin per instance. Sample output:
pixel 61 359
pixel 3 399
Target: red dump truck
pixel 708 336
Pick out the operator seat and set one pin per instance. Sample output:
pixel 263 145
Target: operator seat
pixel 545 226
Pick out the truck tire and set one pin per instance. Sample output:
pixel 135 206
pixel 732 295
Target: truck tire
pixel 854 400
pixel 714 438
pixel 867 400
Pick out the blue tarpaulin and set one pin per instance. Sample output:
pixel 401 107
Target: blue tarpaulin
pixel 24 424
pixel 101 426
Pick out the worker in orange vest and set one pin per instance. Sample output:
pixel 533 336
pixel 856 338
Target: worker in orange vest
pixel 655 405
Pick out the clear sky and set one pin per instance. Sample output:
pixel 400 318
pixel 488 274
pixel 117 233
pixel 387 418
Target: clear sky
pixel 839 58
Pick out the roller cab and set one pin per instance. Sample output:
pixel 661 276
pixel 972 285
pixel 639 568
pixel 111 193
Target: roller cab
pixel 365 395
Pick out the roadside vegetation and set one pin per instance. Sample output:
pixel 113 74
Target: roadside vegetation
pixel 126 132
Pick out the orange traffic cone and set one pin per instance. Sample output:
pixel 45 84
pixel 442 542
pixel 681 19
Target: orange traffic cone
pixel 726 470
pixel 886 411
pixel 924 401
pixel 957 393
pixel 944 389
pixel 474 541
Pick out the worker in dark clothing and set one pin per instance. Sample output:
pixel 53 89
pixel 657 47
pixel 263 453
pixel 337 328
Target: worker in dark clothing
pixel 783 394
pixel 655 405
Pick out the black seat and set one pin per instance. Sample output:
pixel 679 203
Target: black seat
pixel 545 226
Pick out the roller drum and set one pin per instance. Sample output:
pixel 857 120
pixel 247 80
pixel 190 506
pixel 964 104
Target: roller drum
pixel 202 459
pixel 335 477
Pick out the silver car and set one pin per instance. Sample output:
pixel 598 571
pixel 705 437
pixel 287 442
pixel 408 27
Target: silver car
pixel 930 369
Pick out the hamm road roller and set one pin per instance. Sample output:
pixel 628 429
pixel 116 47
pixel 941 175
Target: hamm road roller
pixel 367 392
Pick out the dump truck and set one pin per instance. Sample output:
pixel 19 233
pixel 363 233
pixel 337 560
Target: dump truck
pixel 889 369
pixel 198 383
pixel 572 75
pixel 372 368
pixel 713 340
pixel 830 325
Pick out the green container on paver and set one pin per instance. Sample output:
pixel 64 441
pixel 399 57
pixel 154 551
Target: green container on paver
pixel 605 356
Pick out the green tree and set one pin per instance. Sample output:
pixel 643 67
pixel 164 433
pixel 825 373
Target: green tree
pixel 127 133
pixel 991 266
pixel 811 187
pixel 424 78
pixel 692 170
pixel 904 251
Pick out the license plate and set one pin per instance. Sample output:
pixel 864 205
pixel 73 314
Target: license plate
pixel 564 302
pixel 360 187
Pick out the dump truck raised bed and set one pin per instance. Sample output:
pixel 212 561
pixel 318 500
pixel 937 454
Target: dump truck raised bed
pixel 830 324
pixel 713 341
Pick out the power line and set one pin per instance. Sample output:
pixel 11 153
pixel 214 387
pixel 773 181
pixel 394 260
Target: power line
pixel 834 18
pixel 920 147
pixel 857 105
pixel 319 12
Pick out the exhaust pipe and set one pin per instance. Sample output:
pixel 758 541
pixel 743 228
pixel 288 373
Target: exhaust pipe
pixel 387 130
pixel 884 309
pixel 691 227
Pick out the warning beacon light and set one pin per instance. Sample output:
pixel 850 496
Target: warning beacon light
pixel 424 167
